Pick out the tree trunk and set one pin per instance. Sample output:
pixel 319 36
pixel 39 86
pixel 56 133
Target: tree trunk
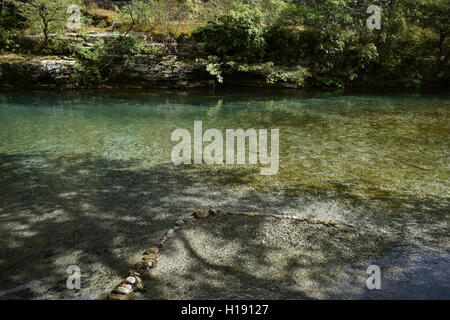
pixel 438 66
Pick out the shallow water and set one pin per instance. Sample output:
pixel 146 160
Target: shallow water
pixel 109 153
pixel 368 146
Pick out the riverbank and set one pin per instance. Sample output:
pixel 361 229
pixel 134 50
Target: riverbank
pixel 105 60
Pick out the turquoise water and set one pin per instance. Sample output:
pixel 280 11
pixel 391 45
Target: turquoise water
pixel 370 146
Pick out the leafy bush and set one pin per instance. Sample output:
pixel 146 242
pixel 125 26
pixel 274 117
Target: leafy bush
pixel 10 21
pixel 10 18
pixel 239 36
pixel 44 16
pixel 106 61
pixel 274 74
pixel 137 16
pixel 155 17
pixel 287 44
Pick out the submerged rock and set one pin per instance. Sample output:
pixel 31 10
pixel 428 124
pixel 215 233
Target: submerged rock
pixel 151 256
pixel 151 275
pixel 139 283
pixel 115 296
pixel 200 214
pixel 131 280
pixel 150 264
pixel 122 290
pixel 213 212
pixel 152 250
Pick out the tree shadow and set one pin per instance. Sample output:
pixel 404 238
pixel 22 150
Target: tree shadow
pixel 100 214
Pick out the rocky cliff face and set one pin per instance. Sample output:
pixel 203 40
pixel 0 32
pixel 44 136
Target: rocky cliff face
pixel 166 65
pixel 166 72
pixel 43 72
pixel 57 72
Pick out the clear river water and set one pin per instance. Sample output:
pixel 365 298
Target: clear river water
pixel 86 178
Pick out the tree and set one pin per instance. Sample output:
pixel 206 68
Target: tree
pixel 44 16
pixel 137 16
pixel 434 15
pixel 239 35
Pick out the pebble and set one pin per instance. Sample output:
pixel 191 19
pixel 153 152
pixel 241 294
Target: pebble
pixel 150 275
pixel 150 263
pixel 138 266
pixel 121 290
pixel 126 286
pixel 131 280
pixel 170 233
pixel 213 212
pixel 152 256
pixel 139 283
pixel 134 273
pixel 200 214
pixel 152 250
pixel 114 296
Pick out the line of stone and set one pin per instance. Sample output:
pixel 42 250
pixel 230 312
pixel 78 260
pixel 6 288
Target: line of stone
pixel 143 269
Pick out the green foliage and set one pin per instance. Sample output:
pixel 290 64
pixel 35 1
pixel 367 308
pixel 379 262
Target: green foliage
pixel 9 22
pixel 137 16
pixel 105 61
pixel 435 15
pixel 238 36
pixel 329 40
pixel 156 17
pixel 324 43
pixel 10 18
pixel 287 44
pixel 273 74
pixel 44 16
pixel 213 66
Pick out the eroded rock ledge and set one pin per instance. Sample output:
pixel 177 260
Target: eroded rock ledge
pixel 56 72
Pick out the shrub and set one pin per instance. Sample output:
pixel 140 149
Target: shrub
pixel 156 17
pixel 106 61
pixel 137 16
pixel 239 36
pixel 44 16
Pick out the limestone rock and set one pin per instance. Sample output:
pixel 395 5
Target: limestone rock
pixel 115 296
pixel 150 263
pixel 151 256
pixel 152 250
pixel 121 290
pixel 200 214
pixel 213 212
pixel 151 275
pixel 131 280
